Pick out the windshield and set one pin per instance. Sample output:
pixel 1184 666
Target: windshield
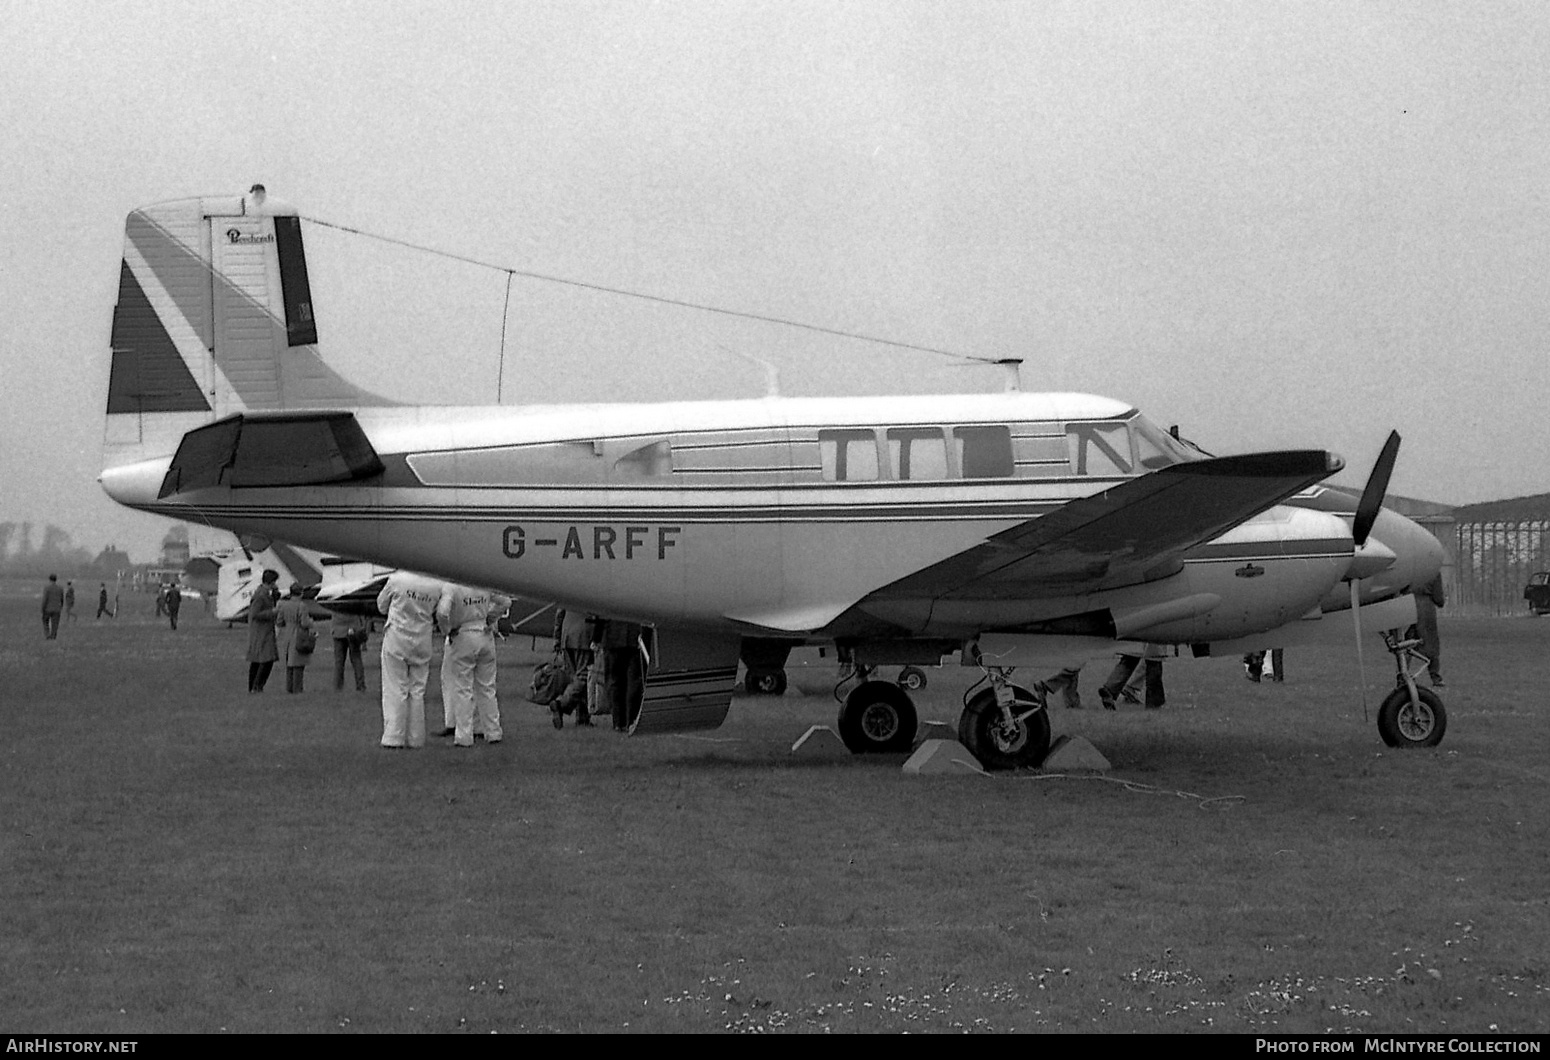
pixel 1157 448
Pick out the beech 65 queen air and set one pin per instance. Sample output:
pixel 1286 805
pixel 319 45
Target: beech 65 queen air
pixel 1009 529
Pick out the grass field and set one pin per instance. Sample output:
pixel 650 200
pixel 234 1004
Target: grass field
pixel 179 856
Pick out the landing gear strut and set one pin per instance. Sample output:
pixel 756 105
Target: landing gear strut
pixel 1005 726
pixel 1411 716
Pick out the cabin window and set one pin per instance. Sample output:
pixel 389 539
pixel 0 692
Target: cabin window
pixel 983 452
pixel 848 456
pixel 917 453
pixel 1041 449
pixel 649 461
pixel 1099 448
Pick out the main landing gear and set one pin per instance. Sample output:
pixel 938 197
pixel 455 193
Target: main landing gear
pixel 1411 716
pixel 878 716
pixel 1005 726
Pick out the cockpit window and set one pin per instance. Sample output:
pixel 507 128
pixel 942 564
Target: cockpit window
pixel 1099 448
pixel 1157 448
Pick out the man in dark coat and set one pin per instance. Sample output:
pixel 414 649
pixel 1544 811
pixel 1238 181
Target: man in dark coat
pixel 53 607
pixel 174 602
pixel 624 681
pixel 262 650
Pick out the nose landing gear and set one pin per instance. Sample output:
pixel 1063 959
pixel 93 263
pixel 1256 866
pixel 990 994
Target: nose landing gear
pixel 1410 716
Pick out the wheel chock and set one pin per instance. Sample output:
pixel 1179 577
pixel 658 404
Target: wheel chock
pixel 943 756
pixel 820 741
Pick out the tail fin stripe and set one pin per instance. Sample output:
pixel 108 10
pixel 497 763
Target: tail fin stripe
pixel 147 374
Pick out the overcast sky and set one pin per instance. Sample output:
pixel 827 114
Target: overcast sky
pixel 1278 225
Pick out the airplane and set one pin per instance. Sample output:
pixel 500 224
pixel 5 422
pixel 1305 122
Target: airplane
pixel 1007 530
pixel 351 587
pixel 239 571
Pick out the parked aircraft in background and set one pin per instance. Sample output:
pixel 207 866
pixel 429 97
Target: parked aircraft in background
pixel 351 587
pixel 1004 529
pixel 239 571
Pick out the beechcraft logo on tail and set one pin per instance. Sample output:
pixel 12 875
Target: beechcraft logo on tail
pixel 236 235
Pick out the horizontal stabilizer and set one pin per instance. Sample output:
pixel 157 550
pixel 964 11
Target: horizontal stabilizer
pixel 278 449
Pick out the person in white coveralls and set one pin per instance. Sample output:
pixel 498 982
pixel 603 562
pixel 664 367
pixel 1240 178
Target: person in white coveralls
pixel 409 601
pixel 468 660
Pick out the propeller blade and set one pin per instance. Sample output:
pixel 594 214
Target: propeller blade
pixel 1372 494
pixel 1356 622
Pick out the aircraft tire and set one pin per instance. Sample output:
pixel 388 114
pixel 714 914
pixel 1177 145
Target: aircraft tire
pixel 979 729
pixel 765 682
pixel 878 717
pixel 1402 724
pixel 912 679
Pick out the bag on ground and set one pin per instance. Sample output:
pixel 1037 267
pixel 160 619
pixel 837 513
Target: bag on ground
pixel 549 682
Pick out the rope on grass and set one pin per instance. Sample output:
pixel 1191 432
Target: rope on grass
pixel 1129 785
pixel 1202 801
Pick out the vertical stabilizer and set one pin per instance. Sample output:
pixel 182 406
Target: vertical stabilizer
pixel 214 317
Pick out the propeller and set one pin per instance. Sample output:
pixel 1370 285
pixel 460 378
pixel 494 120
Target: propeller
pixel 1366 515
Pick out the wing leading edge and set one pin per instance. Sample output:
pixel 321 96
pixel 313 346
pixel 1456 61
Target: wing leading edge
pixel 1126 534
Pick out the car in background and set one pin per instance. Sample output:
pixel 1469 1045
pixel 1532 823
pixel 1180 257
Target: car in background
pixel 1537 593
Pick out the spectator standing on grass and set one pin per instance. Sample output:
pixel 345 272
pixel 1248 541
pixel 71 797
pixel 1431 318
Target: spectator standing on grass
pixel 1427 601
pixel 1153 695
pixel 409 601
pixel 262 651
pixel 174 603
pixel 70 602
pixel 1064 682
pixel 1254 665
pixel 349 634
pixel 53 606
pixel 624 683
pixel 296 638
pixel 102 602
pixel 468 661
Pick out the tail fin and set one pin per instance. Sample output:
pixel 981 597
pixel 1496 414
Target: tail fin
pixel 214 317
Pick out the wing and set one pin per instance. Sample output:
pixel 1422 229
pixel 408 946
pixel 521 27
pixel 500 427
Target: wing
pixel 1130 533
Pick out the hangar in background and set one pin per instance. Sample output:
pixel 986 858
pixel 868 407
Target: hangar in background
pixel 1497 546
pixel 1492 548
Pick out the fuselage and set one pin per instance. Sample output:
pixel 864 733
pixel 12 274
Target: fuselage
pixel 776 516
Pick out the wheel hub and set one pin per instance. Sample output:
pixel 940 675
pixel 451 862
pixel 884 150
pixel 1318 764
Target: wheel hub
pixel 1415 720
pixel 1009 738
pixel 880 722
